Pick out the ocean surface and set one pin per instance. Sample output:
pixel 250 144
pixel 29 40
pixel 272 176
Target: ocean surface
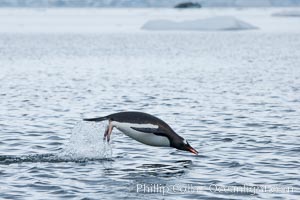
pixel 234 95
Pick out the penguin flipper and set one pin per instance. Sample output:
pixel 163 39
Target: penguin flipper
pixel 156 131
pixel 145 130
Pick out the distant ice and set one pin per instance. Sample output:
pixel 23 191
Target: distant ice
pixel 289 13
pixel 210 24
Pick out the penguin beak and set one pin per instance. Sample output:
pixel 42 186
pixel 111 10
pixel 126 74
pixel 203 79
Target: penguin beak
pixel 187 147
pixel 191 149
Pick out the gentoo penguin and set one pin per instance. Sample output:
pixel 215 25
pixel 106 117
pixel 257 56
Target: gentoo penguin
pixel 144 128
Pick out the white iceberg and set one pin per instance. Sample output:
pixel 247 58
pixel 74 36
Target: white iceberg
pixel 289 13
pixel 210 24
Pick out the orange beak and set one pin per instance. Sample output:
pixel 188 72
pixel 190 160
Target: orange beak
pixel 191 149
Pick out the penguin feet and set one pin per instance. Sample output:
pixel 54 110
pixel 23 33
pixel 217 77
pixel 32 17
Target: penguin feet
pixel 105 134
pixel 108 132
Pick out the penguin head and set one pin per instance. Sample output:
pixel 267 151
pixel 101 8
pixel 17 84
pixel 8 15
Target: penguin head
pixel 185 146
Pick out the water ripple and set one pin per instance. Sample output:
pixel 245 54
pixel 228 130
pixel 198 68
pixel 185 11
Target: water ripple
pixel 236 104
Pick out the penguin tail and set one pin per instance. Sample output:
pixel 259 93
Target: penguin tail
pixel 97 119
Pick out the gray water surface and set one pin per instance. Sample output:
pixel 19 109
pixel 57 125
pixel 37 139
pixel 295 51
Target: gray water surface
pixel 234 96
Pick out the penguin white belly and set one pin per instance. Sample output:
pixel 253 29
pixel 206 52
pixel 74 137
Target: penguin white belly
pixel 145 138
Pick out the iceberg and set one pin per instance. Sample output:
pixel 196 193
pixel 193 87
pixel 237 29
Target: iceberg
pixel 290 13
pixel 220 23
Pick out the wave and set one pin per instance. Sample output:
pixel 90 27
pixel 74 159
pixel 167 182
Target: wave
pixel 50 158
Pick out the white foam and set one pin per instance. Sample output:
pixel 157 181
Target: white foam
pixel 210 24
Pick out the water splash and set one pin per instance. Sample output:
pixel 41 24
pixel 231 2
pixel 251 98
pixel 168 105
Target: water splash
pixel 86 142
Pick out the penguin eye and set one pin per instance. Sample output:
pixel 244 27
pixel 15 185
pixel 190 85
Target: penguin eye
pixel 185 142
